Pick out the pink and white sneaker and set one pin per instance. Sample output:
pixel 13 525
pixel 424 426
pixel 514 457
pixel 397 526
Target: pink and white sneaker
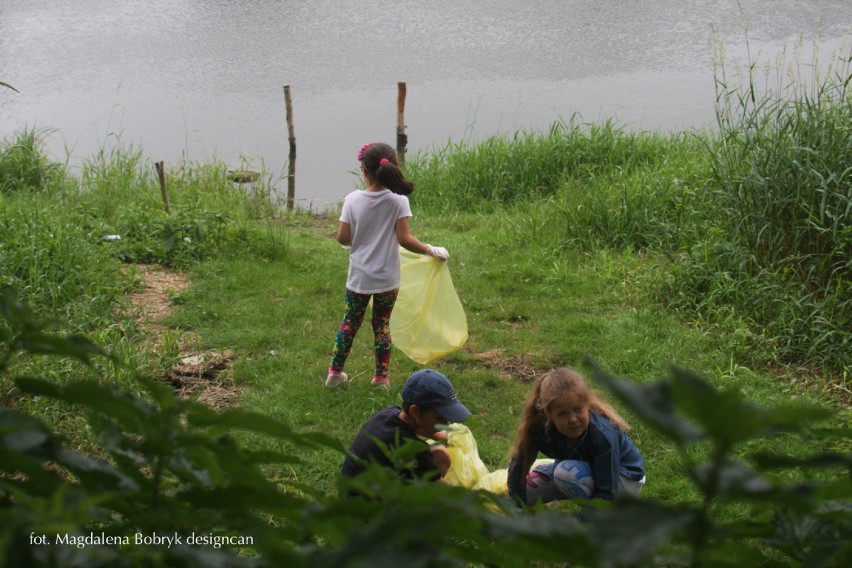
pixel 335 378
pixel 382 382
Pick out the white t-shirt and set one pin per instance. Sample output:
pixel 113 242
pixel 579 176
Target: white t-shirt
pixel 374 256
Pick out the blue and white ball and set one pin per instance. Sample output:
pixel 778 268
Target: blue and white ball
pixel 574 479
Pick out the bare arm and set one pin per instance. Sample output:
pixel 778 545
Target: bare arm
pixel 405 238
pixel 344 236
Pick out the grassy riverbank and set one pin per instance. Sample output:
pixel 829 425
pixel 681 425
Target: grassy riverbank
pixel 642 251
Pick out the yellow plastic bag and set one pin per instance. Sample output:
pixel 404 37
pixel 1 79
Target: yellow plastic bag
pixel 497 480
pixel 467 468
pixel 428 320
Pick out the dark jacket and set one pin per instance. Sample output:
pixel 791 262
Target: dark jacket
pixel 384 432
pixel 609 452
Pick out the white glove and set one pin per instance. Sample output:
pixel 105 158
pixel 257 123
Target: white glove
pixel 437 252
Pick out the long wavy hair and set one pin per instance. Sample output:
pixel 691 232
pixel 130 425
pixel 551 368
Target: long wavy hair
pixel 388 173
pixel 550 387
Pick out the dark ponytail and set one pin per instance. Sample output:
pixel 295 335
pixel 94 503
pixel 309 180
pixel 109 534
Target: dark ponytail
pixel 380 161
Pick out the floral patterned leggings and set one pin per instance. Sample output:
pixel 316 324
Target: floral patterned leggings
pixel 356 307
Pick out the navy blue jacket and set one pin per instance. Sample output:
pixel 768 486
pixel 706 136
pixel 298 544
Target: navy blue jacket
pixel 385 431
pixel 609 452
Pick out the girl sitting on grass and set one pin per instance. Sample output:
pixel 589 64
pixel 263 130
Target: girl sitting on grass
pixel 593 456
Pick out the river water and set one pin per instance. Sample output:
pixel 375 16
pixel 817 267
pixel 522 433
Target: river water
pixel 201 80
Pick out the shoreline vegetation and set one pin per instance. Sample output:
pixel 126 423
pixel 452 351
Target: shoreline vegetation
pixel 636 255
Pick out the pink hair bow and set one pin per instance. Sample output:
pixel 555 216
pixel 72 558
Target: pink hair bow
pixel 364 147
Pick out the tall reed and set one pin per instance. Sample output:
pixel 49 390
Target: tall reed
pixel 527 166
pixel 604 185
pixel 781 182
pixel 23 164
pixel 783 169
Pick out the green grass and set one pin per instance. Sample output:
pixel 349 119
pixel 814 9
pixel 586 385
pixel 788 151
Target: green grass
pixel 23 166
pixel 59 254
pixel 541 308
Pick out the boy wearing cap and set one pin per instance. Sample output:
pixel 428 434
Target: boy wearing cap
pixel 428 400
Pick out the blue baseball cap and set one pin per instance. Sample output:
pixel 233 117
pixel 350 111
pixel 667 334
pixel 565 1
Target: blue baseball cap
pixel 432 389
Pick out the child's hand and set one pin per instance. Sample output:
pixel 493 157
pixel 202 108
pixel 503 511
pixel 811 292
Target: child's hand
pixel 442 459
pixel 437 435
pixel 437 252
pixel 441 435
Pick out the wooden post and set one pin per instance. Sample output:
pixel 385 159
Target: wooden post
pixel 291 135
pixel 401 137
pixel 161 174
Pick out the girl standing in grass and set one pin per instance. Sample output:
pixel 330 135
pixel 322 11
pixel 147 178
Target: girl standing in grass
pixel 594 457
pixel 374 223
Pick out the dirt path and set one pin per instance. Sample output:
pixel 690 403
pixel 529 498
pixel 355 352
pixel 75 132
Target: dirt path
pixel 200 375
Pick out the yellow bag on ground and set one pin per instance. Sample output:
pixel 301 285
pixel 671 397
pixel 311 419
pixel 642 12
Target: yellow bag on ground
pixel 498 480
pixel 495 482
pixel 428 320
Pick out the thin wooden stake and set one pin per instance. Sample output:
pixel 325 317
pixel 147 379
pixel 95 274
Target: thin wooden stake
pixel 401 136
pixel 161 174
pixel 291 135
